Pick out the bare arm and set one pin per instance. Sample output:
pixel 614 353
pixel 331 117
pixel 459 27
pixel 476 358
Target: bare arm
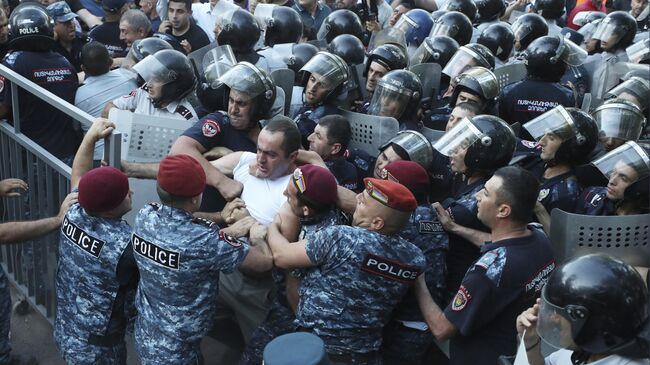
pixel 346 199
pixel 543 217
pixel 474 236
pixel 12 232
pixel 259 259
pixel 140 170
pixel 310 158
pixel 90 20
pixel 287 255
pixel 227 164
pixel 83 160
pixel 527 321
pixel 107 109
pixel 435 318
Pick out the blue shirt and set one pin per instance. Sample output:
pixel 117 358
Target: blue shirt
pixel 96 91
pixel 313 22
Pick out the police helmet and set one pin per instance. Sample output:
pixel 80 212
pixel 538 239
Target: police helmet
pixel 601 301
pixel 467 7
pixel 250 80
pixel 349 48
pixel 339 22
pixel 142 48
pixel 629 156
pixel 479 81
pixel 527 28
pixel 619 119
pixel 489 10
pixel 389 56
pixel 173 42
pixel 417 147
pixel 416 25
pixel 489 142
pixel 329 69
pixel 547 57
pixel 397 95
pixel 171 68
pixel 211 92
pixel 437 49
pixel 239 29
pixel 284 25
pixel 467 56
pixel 31 28
pixel 455 25
pixel 437 14
pixel 616 31
pixel 635 89
pixel 499 38
pixel 550 9
pixel 301 53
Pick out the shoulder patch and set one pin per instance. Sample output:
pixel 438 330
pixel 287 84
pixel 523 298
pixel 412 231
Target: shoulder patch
pixel 204 222
pixel 430 227
pixel 530 144
pixel 389 269
pixel 487 259
pixel 234 242
pixel 210 128
pixel 81 238
pixel 151 251
pixel 543 194
pixel 461 299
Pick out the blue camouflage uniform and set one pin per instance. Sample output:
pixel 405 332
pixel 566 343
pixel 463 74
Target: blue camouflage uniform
pixel 308 116
pixel 407 338
pixel 360 278
pixel 179 258
pixel 594 201
pixel 5 318
pixel 280 319
pixel 95 273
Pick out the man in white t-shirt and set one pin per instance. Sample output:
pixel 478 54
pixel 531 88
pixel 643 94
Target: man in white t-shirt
pixel 264 177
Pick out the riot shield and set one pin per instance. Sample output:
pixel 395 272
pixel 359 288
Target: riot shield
pixel 283 78
pixel 510 73
pixel 429 74
pixel 369 132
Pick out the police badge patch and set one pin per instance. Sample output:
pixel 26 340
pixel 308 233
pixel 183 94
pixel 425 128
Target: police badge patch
pixel 234 242
pixel 210 128
pixel 461 299
pixel 543 194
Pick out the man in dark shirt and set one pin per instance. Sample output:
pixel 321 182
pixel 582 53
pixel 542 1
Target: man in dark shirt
pixel 190 35
pixel 108 33
pixel 68 41
pixel 509 275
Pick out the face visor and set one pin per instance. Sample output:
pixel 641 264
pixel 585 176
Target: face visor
pixel 405 24
pixel 486 80
pixel 152 70
pixel 246 79
pixel 444 29
pixel 570 53
pixel 588 30
pixel 461 136
pixel 557 325
pixel 387 36
pixel 328 69
pixel 264 15
pixel 390 100
pixel 216 63
pixel 608 32
pixel 225 20
pixel 619 120
pixel 556 121
pixel 634 86
pixel 463 59
pixel 639 51
pixel 520 30
pixel 628 159
pixel 423 54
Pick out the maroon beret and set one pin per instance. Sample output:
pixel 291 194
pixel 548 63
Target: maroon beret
pixel 181 175
pixel 391 194
pixel 316 184
pixel 102 189
pixel 408 173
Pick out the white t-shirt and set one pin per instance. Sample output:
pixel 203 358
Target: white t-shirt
pixel 563 357
pixel 263 197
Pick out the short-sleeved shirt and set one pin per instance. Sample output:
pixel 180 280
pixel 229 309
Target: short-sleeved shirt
pixel 502 283
pixel 195 36
pixel 594 201
pixel 179 258
pixel 359 279
pixel 74 55
pixel 96 91
pixel 528 99
pixel 138 101
pixel 561 192
pixel 108 34
pixel 47 126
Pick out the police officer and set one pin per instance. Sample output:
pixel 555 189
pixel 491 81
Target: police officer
pixel 619 170
pixel 416 25
pixel 69 42
pixel 280 25
pixel 108 32
pixel 467 56
pixel 466 7
pixel 547 60
pixel 489 12
pixel 323 79
pixel 455 25
pixel 398 95
pixel 94 308
pixel 599 321
pixel 381 60
pixel 515 262
pixel 500 39
pixel 311 197
pixel 551 11
pixel 526 29
pixel 349 48
pixel 616 32
pixel 180 258
pixel 339 22
pixel 476 147
pixel 32 56
pixel 618 121
pixel 142 48
pixel 435 49
pixel 169 79
pixel 406 339
pixel 349 318
pixel 300 54
pixel 239 29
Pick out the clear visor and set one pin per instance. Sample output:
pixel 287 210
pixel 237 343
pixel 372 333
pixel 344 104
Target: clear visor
pixel 327 69
pixel 217 62
pixel 405 24
pixel 607 31
pixel 582 17
pixel 635 86
pixel 588 30
pixel 639 51
pixel 443 29
pixel 421 55
pixel 486 79
pixel 555 324
pixel 245 78
pixel 387 36
pixel 619 121
pixel 571 53
pixel 150 69
pixel 520 30
pixel 461 136
pixel 323 31
pixel 556 121
pixel 463 59
pixel 225 19
pixel 389 101
pixel 629 160
pixel 264 14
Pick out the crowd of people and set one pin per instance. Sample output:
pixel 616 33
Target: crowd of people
pixel 277 238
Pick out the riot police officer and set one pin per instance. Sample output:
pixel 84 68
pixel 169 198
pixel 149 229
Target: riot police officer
pixel 323 79
pixel 239 29
pixel 349 48
pixel 416 25
pixel 467 7
pixel 601 319
pixel 436 49
pixel 142 48
pixel 551 11
pixel 500 39
pixel 280 25
pixel 526 29
pixel 381 60
pixel 398 95
pixel 618 121
pixel 489 12
pixel 547 59
pixel 470 55
pixel 455 25
pixel 616 32
pixel 339 22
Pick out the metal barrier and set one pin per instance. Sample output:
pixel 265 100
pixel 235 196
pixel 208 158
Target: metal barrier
pixel 31 266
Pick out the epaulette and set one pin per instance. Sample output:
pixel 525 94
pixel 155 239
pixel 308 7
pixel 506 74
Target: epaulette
pixel 204 222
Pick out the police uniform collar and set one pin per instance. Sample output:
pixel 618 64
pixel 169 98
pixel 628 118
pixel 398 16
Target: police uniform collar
pixel 171 107
pixel 174 212
pixel 491 245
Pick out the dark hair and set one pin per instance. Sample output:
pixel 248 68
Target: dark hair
pixel 519 189
pixel 188 4
pixel 286 126
pixel 338 130
pixel 170 199
pixel 95 58
pixel 401 152
pixel 469 106
pixel 409 4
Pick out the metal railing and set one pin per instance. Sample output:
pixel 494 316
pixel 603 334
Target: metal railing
pixel 31 266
